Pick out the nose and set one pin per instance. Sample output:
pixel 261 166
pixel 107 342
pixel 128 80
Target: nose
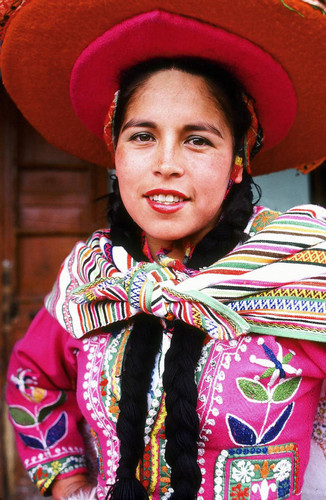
pixel 169 161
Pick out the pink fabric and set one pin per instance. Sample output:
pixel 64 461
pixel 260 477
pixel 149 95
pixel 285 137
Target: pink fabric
pixel 94 78
pixel 43 364
pixel 54 361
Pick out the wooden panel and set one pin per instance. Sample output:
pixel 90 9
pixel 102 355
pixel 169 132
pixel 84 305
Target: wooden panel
pixel 47 203
pixel 34 150
pixel 39 260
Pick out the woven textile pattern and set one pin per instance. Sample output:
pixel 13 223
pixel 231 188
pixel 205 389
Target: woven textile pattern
pixel 273 284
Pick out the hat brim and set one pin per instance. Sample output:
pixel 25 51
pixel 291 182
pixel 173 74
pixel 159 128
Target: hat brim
pixel 95 76
pixel 37 64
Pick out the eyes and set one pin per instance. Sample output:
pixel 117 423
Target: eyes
pixel 142 137
pixel 193 140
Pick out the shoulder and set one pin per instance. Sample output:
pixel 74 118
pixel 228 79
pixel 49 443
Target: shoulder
pixel 262 217
pixel 305 215
pixel 99 235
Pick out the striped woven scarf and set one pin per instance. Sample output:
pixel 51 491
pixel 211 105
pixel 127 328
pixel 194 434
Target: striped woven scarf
pixel 275 283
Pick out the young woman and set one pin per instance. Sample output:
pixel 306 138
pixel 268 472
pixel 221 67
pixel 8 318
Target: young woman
pixel 185 335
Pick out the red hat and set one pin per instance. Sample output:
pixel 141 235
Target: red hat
pixel 61 61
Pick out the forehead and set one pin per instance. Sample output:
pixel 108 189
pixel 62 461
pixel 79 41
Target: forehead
pixel 176 95
pixel 177 88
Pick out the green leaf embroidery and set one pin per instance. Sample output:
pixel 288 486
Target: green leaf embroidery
pixel 287 358
pixel 46 410
pixel 268 373
pixel 21 417
pixel 285 390
pixel 254 391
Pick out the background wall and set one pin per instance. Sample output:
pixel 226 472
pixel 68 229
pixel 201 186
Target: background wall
pixel 283 190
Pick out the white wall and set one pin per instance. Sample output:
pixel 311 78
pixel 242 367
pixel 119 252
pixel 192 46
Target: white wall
pixel 283 190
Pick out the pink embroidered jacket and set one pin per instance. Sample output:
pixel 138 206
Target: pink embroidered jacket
pixel 257 398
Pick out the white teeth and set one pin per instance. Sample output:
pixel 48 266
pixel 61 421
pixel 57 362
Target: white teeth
pixel 168 198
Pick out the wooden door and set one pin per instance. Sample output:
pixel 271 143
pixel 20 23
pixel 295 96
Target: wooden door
pixel 48 202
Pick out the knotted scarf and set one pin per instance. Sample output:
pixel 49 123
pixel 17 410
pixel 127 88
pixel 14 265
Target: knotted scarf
pixel 274 283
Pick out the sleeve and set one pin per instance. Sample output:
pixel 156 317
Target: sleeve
pixel 315 479
pixel 317 352
pixel 42 403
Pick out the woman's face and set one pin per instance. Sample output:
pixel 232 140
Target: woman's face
pixel 174 159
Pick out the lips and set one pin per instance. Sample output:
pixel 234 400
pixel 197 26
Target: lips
pixel 166 201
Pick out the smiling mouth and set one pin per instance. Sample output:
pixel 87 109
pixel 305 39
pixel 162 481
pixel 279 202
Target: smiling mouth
pixel 166 199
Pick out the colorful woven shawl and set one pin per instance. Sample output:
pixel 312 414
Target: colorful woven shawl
pixel 275 283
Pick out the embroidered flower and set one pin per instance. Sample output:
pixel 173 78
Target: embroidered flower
pixel 238 493
pixel 56 467
pixel 282 470
pixel 243 471
pixel 104 382
pixel 26 384
pixel 263 219
pixel 277 366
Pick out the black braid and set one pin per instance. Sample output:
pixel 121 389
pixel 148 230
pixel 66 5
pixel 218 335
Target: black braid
pixel 143 344
pixel 182 423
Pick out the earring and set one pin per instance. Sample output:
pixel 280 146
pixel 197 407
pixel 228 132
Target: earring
pixel 237 167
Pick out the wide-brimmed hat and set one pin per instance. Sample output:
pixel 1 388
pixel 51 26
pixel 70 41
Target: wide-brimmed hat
pixel 61 60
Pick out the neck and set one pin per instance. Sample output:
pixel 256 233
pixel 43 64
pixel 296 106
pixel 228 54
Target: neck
pixel 178 249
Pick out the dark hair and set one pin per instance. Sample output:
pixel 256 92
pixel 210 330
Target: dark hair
pixel 182 424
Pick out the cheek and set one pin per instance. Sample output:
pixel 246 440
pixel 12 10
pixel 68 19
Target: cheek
pixel 126 171
pixel 213 177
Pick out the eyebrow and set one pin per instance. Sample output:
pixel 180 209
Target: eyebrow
pixel 199 127
pixel 206 127
pixel 136 123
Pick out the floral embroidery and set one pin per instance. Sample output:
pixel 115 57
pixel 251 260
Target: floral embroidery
pixel 243 471
pixel 262 220
pixel 114 407
pixel 25 418
pixel 277 366
pixel 100 352
pixel 44 475
pixel 238 493
pixel 216 359
pixel 240 431
pixel 239 472
pixel 26 383
pixel 104 382
pixel 282 470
